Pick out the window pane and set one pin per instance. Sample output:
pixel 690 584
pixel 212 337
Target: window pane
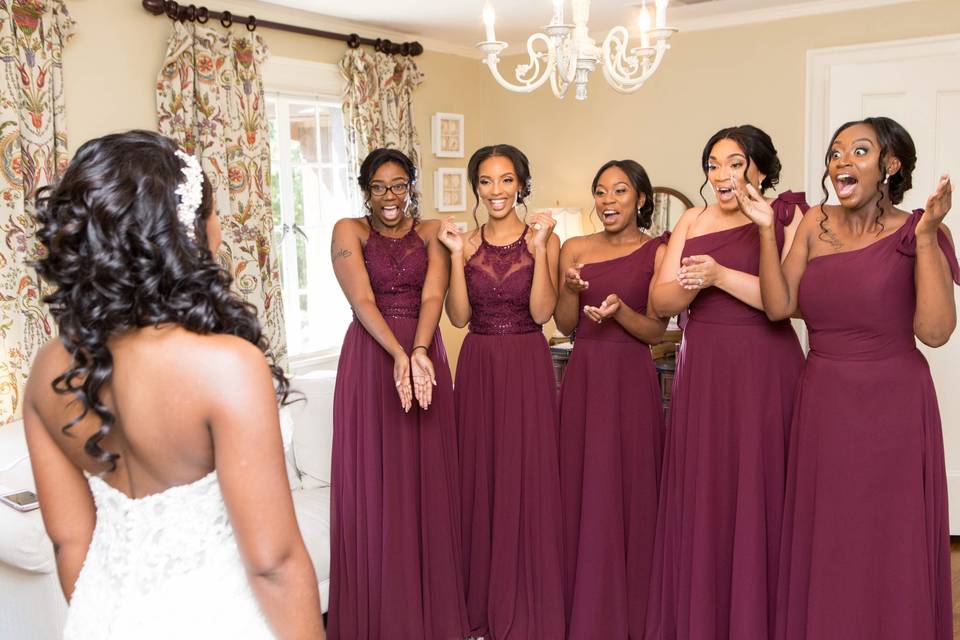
pixel 326 136
pixel 298 194
pixel 314 197
pixel 301 261
pixel 303 133
pixel 275 197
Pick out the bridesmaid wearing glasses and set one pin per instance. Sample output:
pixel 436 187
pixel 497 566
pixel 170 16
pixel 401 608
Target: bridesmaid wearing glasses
pixel 395 531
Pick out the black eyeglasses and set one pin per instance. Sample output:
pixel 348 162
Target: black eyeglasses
pixel 399 189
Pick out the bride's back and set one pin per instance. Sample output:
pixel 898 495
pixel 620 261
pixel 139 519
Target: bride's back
pixel 163 392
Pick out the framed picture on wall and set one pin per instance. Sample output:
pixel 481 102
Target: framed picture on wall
pixel 450 187
pixel 447 138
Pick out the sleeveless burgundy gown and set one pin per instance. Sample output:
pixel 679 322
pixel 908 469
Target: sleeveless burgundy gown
pixel 866 548
pixel 611 445
pixel 506 404
pixel 395 563
pixel 724 475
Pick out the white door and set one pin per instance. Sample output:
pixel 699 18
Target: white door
pixel 917 83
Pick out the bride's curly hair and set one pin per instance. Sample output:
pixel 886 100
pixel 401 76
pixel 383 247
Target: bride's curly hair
pixel 119 258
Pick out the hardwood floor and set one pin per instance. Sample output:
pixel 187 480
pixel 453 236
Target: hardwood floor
pixel 955 573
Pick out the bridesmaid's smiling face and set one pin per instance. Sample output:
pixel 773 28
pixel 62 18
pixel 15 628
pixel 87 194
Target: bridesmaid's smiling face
pixel 498 186
pixel 855 167
pixel 616 200
pixel 728 159
pixel 389 195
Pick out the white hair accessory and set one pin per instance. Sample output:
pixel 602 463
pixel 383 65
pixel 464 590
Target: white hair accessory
pixel 190 192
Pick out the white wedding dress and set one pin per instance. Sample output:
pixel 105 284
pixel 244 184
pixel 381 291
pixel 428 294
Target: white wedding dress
pixel 163 566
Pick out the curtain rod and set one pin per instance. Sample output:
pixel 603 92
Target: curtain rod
pixel 193 13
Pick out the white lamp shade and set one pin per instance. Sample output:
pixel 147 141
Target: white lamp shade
pixel 569 221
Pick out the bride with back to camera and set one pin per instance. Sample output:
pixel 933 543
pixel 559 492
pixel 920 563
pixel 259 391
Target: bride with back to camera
pixel 152 420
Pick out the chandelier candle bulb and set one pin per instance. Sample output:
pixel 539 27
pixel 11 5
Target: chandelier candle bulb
pixel 488 17
pixel 662 13
pixel 644 27
pixel 557 12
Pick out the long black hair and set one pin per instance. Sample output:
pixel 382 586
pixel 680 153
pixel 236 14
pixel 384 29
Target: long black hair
pixel 379 157
pixel 119 258
pixel 641 183
pixel 893 140
pixel 521 168
pixel 757 147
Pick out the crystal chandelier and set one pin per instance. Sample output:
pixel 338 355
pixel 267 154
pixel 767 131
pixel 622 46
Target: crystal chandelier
pixel 571 55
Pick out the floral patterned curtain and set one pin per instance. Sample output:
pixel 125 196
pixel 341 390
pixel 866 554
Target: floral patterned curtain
pixel 210 99
pixel 378 104
pixel 33 153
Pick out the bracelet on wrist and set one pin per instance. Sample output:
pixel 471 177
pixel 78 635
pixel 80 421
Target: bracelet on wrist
pixel 420 346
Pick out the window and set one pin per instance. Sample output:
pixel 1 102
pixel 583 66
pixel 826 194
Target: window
pixel 311 190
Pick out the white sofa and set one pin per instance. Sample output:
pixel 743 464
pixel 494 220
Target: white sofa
pixel 32 606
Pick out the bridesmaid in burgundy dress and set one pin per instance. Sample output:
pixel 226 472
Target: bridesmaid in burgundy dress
pixel 395 562
pixel 721 501
pixel 611 418
pixel 865 552
pixel 503 282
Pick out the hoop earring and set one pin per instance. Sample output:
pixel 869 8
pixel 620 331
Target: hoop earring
pixel 406 209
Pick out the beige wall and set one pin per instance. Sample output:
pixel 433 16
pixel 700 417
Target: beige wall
pixel 711 79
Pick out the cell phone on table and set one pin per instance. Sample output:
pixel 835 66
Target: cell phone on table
pixel 21 500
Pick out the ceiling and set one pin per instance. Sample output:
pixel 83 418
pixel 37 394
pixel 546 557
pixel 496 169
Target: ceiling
pixel 456 24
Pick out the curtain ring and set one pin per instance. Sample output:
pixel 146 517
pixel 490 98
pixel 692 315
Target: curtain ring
pixel 171 9
pixel 387 46
pixel 353 41
pixel 226 19
pixel 203 14
pixel 252 23
pixel 191 13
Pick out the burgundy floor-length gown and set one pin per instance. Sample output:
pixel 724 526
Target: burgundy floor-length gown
pixel 507 421
pixel 611 446
pixel 866 551
pixel 395 563
pixel 724 475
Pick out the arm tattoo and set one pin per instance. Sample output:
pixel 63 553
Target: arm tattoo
pixel 342 253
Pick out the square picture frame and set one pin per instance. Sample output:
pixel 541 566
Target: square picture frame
pixel 447 135
pixel 450 189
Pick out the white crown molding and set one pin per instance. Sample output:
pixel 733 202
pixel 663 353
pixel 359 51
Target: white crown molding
pixel 280 13
pixel 782 12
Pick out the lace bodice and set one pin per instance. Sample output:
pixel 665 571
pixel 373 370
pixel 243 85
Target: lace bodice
pixel 166 565
pixel 499 281
pixel 397 268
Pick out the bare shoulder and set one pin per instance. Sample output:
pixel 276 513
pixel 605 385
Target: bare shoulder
pixel 228 357
pixel 52 360
pixel 428 230
pixel 351 226
pixel 687 218
pixel 574 244
pixel 812 217
pixel 429 226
